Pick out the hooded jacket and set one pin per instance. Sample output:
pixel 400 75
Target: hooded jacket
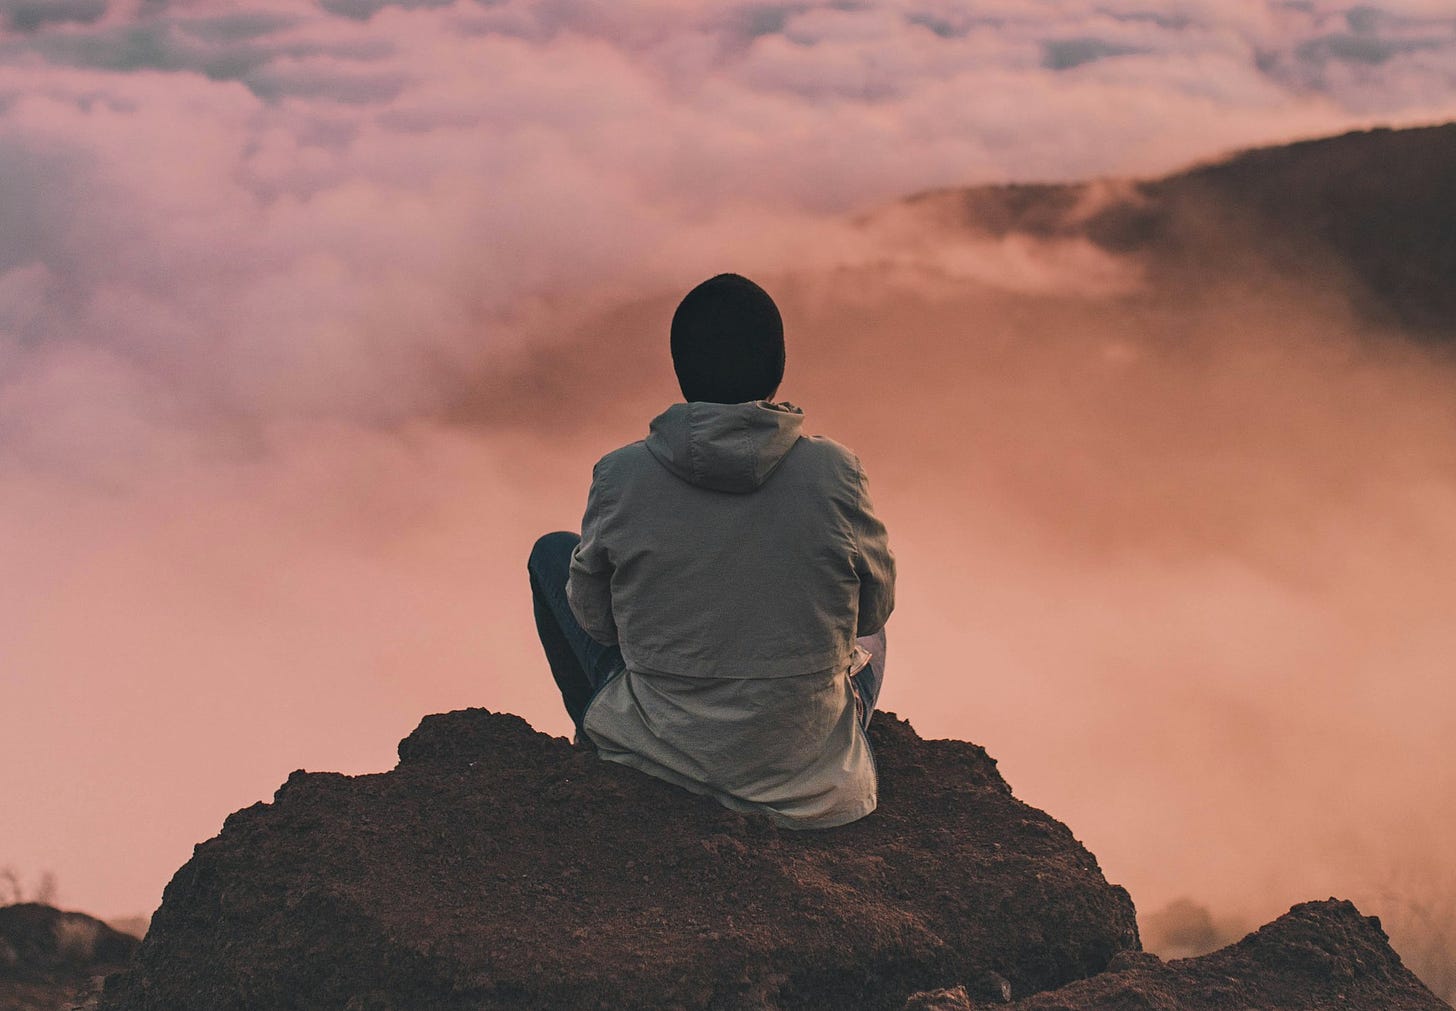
pixel 734 560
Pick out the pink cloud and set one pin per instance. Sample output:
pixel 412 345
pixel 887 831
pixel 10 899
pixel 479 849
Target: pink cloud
pixel 309 321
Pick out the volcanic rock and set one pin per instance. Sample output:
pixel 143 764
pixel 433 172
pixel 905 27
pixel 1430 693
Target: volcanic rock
pixel 47 956
pixel 497 867
pixel 1317 955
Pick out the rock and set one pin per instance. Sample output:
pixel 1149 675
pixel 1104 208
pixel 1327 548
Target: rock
pixel 48 956
pixel 1124 960
pixel 988 989
pixel 994 988
pixel 954 999
pixel 497 867
pixel 1317 955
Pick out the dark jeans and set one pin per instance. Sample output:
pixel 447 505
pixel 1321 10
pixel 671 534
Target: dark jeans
pixel 581 665
pixel 871 676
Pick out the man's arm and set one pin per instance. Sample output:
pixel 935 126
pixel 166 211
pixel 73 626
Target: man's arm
pixel 589 585
pixel 874 563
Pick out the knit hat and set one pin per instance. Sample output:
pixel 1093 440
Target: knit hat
pixel 728 342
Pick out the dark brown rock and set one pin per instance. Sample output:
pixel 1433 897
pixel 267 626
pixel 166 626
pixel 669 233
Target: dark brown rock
pixel 951 999
pixel 48 956
pixel 498 867
pixel 1318 955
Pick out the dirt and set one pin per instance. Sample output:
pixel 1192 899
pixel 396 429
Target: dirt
pixel 496 867
pixel 499 867
pixel 1318 955
pixel 48 956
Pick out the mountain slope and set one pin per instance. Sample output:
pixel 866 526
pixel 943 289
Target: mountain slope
pixel 1373 212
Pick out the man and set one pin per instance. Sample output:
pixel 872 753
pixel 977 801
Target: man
pixel 719 623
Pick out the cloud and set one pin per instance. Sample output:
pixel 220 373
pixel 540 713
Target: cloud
pixel 363 10
pixel 1064 54
pixel 431 168
pixel 31 15
pixel 311 316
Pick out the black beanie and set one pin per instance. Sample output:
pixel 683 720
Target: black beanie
pixel 728 342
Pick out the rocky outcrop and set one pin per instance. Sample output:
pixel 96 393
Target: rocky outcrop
pixel 498 867
pixel 47 956
pixel 1318 955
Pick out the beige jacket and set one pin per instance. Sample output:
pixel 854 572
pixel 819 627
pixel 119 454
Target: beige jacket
pixel 734 561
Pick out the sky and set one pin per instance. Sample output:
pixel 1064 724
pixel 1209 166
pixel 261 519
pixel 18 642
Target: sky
pixel 313 316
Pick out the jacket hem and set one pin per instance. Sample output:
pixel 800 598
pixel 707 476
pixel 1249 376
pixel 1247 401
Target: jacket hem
pixel 632 760
pixel 771 668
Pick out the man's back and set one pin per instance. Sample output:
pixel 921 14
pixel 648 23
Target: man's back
pixel 728 545
pixel 734 561
pixel 703 626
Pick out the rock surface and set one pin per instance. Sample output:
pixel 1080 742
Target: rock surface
pixel 499 867
pixel 1317 955
pixel 496 867
pixel 47 956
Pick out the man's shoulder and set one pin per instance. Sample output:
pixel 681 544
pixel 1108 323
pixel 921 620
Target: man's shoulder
pixel 629 453
pixel 623 458
pixel 826 458
pixel 827 449
pixel 817 452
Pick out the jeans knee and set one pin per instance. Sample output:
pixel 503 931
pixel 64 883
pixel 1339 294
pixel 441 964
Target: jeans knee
pixel 551 551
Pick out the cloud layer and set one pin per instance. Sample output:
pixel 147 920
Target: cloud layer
pixel 294 363
pixel 258 208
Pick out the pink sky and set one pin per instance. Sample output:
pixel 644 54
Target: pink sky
pixel 301 344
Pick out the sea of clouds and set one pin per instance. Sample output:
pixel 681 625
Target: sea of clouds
pixel 266 209
pixel 287 291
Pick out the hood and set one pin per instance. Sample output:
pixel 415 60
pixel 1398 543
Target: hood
pixel 725 447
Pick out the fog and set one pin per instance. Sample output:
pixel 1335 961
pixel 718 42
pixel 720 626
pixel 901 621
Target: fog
pixel 311 322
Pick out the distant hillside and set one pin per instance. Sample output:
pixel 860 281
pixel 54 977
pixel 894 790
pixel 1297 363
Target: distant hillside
pixel 48 957
pixel 1373 211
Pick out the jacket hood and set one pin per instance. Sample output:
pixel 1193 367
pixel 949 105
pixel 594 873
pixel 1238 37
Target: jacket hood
pixel 725 447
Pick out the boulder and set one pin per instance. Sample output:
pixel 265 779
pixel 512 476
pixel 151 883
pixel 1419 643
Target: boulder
pixel 1318 955
pixel 48 955
pixel 497 867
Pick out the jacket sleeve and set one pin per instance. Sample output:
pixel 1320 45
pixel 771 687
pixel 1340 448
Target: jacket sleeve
pixel 589 583
pixel 874 563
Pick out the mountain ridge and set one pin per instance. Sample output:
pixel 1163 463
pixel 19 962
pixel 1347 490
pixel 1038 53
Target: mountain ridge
pixel 1371 209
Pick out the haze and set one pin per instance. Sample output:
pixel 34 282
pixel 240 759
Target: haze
pixel 311 319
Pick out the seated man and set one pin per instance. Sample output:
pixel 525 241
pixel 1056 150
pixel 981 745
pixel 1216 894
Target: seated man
pixel 719 623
